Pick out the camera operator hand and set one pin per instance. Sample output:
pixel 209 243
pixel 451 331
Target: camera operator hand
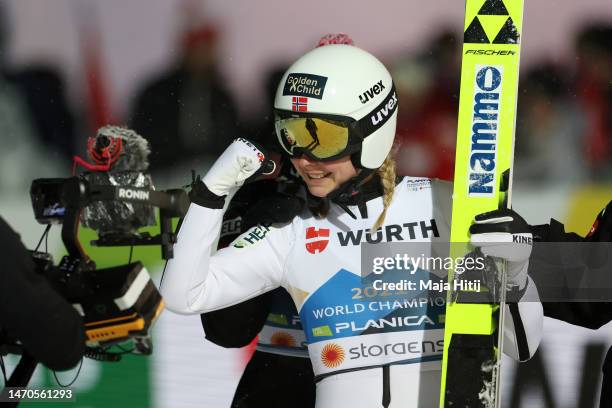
pixel 31 311
pixel 242 160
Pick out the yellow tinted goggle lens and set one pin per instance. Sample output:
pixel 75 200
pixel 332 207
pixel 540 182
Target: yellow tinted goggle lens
pixel 322 138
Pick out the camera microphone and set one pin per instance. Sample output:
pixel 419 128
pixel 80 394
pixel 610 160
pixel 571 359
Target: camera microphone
pixel 120 158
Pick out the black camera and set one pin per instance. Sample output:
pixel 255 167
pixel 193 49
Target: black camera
pixel 119 303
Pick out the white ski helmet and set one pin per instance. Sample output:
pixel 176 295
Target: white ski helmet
pixel 337 100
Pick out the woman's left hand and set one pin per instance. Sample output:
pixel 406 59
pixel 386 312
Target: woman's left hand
pixel 504 234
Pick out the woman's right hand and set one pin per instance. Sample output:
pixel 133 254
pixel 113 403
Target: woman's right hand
pixel 239 162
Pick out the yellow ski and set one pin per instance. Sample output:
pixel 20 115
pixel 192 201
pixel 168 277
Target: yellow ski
pixel 483 177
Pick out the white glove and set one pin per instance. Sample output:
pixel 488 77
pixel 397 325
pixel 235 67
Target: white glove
pixel 241 160
pixel 505 234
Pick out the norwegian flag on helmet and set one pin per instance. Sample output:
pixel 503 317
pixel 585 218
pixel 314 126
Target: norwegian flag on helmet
pixel 299 104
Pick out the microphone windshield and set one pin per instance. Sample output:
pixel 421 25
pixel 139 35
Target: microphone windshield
pixel 127 154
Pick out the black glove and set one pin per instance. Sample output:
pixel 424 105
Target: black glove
pixel 276 208
pixel 202 196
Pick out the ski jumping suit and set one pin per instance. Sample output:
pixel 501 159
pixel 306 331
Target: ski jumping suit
pixel 367 347
pixel 279 373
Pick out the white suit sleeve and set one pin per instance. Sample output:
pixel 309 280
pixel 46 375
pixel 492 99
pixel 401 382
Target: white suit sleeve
pixel 523 325
pixel 198 279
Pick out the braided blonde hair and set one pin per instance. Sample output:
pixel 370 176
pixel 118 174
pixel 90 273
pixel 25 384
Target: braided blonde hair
pixel 386 172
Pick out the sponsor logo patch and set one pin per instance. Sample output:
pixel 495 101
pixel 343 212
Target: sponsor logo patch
pixel 231 226
pixel 316 239
pixel 382 323
pixel 252 236
pixel 485 127
pixel 490 52
pixel 508 33
pixel 381 115
pixel 372 92
pixel 332 355
pixel 408 349
pixel 390 233
pixel 322 331
pixel 308 85
pixel 418 184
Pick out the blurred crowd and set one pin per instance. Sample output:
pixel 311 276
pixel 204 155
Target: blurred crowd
pixel 564 117
pixel 563 129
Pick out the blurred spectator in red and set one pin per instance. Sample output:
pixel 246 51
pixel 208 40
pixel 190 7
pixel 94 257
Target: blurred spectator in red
pixel 594 92
pixel 549 128
pixel 428 89
pixel 187 112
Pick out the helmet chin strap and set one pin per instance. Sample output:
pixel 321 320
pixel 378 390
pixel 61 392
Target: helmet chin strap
pixel 349 189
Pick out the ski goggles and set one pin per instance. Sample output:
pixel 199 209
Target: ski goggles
pixel 325 137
